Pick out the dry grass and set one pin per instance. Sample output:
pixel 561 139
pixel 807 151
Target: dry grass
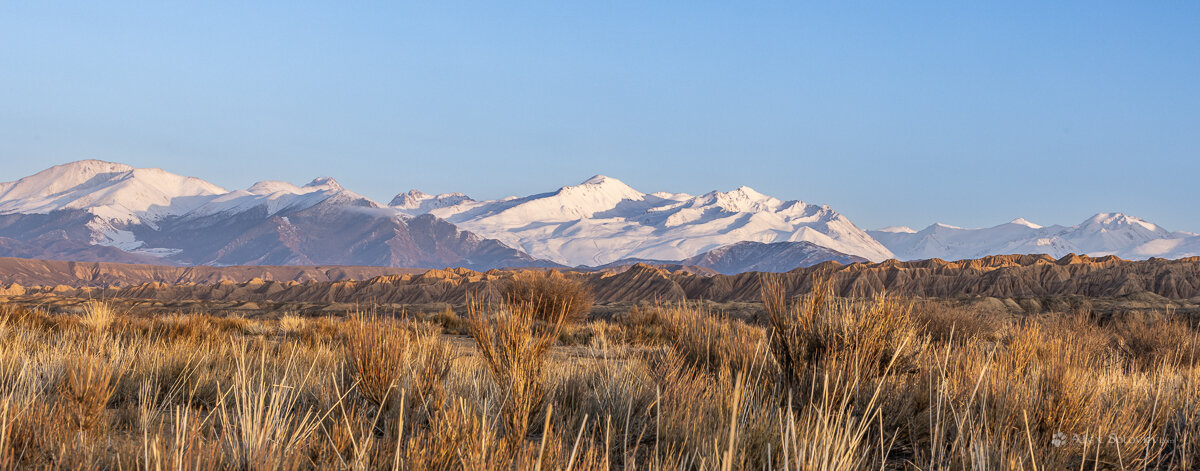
pixel 97 316
pixel 515 352
pixel 829 384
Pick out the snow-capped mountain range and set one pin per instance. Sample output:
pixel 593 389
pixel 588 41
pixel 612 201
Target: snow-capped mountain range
pixel 102 211
pixel 603 219
pixel 1103 234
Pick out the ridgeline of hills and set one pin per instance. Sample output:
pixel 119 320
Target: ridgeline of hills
pixel 107 212
pixel 1012 276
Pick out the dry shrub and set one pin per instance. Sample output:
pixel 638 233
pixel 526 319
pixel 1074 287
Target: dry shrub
pixel 33 430
pixel 228 325
pixel 33 319
pixel 705 339
pixel 375 353
pixel 816 333
pixel 386 354
pixel 515 354
pixel 455 431
pixel 259 328
pixel 86 388
pixel 831 433
pixel 1153 337
pixel 450 322
pixel 944 322
pixel 551 296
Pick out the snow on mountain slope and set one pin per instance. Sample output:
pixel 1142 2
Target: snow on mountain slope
pixel 775 257
pixel 1103 234
pixel 276 196
pixel 115 195
pixel 603 219
pixel 741 257
pixel 109 190
pixel 1188 246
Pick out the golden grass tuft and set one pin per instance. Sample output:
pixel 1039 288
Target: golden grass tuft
pixel 97 316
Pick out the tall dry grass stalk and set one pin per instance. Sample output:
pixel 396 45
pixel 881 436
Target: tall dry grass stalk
pixel 262 418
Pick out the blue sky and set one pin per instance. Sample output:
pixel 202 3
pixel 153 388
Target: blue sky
pixel 892 112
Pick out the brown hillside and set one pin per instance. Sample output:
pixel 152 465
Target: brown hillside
pixel 998 276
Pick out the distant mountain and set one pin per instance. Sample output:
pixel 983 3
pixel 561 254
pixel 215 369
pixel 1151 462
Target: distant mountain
pixel 1103 234
pixel 778 257
pixel 100 211
pixel 602 220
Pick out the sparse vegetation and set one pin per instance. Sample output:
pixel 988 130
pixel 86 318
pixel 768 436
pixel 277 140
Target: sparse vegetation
pixel 826 384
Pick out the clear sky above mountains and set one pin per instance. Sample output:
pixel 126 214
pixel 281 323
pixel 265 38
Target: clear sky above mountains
pixel 892 112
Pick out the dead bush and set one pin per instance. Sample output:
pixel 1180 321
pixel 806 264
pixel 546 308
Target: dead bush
pixel 550 296
pixel 816 333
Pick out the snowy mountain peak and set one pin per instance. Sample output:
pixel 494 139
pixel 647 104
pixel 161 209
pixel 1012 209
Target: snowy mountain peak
pixel 898 230
pixel 410 199
pixel 324 183
pixel 418 202
pixel 609 186
pixel 740 200
pixel 1103 234
pixel 84 169
pixel 1111 220
pixel 109 190
pixel 599 180
pixel 269 187
pixel 1025 222
pixel 749 193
